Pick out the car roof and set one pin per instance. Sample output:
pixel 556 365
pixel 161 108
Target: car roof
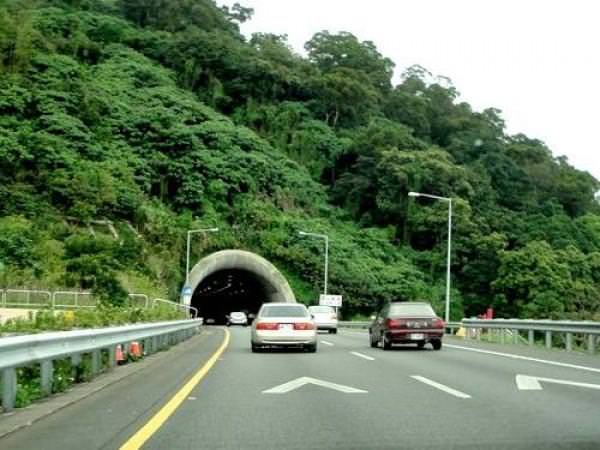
pixel 282 304
pixel 409 303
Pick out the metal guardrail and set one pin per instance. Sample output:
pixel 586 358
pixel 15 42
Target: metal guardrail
pixel 33 298
pixel 590 331
pixel 143 298
pixel 178 306
pixel 353 324
pixel 364 324
pixel 76 303
pixel 45 348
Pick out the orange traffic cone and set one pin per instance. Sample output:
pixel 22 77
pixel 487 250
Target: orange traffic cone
pixel 119 357
pixel 135 349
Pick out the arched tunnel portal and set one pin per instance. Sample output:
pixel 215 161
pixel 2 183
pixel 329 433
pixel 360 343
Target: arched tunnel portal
pixel 235 280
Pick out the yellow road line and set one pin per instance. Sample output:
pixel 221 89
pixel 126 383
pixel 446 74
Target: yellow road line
pixel 152 426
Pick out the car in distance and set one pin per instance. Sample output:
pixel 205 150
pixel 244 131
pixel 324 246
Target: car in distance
pixel 237 318
pixel 325 318
pixel 406 323
pixel 283 325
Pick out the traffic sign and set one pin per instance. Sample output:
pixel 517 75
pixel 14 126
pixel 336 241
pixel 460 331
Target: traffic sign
pixel 330 300
pixel 186 295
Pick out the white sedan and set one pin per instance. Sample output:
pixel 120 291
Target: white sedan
pixel 325 318
pixel 284 325
pixel 237 318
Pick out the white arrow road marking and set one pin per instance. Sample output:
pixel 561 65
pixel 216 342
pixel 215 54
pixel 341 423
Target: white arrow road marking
pixel 441 387
pixel 326 342
pixel 529 383
pixel 360 355
pixel 299 382
pixel 525 358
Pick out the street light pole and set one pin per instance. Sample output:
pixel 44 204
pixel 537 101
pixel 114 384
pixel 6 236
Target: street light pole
pixel 189 239
pixel 326 264
pixel 447 316
pixel 326 238
pixel 449 257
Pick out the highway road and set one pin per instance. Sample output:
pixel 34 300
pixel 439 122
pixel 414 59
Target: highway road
pixel 346 396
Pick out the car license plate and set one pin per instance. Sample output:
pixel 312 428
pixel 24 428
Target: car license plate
pixel 417 336
pixel 286 326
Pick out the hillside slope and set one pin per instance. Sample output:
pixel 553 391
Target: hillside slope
pixel 162 116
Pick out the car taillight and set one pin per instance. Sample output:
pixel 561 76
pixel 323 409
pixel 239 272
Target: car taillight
pixel 267 326
pixel 395 323
pixel 438 323
pixel 304 326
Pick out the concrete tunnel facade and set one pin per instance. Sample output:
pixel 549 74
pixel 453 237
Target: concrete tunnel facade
pixel 236 280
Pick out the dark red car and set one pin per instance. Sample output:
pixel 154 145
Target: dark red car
pixel 406 323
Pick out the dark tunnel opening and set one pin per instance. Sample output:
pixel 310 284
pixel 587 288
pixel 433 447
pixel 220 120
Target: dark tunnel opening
pixel 229 290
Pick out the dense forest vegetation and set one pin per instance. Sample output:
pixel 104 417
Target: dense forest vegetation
pixel 161 114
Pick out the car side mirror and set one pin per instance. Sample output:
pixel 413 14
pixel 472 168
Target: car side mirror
pixel 312 316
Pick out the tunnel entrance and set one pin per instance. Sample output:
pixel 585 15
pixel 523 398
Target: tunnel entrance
pixel 226 291
pixel 235 280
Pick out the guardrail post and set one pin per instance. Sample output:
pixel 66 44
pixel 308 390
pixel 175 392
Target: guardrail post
pixel 75 361
pixel 112 359
pixel 9 388
pixel 96 362
pixel 530 337
pixel 548 339
pixel 591 344
pixel 46 375
pixel 569 341
pixel 502 333
pixel 515 336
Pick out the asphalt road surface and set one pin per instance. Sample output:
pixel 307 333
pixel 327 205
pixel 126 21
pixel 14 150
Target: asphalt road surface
pixel 346 396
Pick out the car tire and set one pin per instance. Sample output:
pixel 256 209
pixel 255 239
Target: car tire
pixel 255 348
pixel 372 341
pixel 385 345
pixel 437 344
pixel 311 348
pixel 334 331
pixel 421 344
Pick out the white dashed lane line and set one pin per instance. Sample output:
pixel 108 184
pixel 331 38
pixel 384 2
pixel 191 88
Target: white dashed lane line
pixel 326 342
pixel 360 355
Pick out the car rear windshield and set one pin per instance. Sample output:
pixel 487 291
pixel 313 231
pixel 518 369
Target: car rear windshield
pixel 320 309
pixel 284 311
pixel 411 310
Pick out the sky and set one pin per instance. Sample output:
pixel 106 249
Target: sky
pixel 536 60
